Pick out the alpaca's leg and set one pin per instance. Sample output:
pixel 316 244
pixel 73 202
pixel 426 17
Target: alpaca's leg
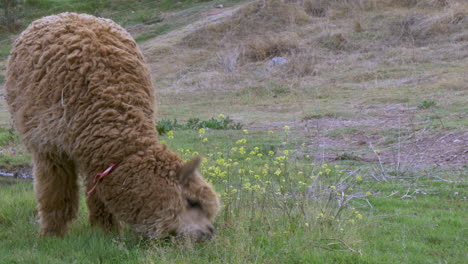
pixel 57 193
pixel 99 215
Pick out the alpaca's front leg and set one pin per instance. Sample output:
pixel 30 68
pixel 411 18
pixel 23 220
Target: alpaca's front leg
pixel 57 194
pixel 99 214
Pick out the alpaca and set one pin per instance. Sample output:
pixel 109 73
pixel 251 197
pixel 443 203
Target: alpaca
pixel 81 97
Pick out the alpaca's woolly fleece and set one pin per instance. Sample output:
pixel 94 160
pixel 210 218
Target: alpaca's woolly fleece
pixel 81 97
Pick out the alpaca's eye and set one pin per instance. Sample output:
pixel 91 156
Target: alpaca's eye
pixel 193 203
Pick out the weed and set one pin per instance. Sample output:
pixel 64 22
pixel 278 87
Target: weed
pixel 427 104
pixel 8 136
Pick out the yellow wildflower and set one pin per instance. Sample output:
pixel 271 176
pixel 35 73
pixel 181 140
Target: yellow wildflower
pixel 242 150
pixel 170 134
pixel 201 131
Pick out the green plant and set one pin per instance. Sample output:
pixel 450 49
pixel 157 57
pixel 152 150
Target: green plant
pixel 222 122
pixel 427 104
pixel 8 136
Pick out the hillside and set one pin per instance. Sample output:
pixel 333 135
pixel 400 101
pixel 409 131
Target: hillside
pixel 387 73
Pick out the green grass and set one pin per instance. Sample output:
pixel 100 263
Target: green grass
pixel 428 228
pixel 267 216
pixel 156 31
pixel 5 47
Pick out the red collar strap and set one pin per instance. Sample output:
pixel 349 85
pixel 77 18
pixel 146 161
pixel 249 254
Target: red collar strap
pixel 98 177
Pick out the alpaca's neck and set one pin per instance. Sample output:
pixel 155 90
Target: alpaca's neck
pixel 151 158
pixel 142 182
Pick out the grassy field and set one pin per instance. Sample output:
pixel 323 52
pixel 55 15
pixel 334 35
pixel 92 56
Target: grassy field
pixel 277 208
pixel 353 151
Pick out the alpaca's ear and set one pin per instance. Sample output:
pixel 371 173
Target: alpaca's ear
pixel 187 170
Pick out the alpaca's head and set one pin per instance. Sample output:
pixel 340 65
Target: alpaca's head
pixel 201 204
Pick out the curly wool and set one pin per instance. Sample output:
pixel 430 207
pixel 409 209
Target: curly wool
pixel 81 97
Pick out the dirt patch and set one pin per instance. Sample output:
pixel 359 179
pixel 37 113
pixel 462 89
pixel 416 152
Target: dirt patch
pixel 388 132
pixel 15 175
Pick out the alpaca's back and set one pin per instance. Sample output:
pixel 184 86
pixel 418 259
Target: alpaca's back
pixel 71 77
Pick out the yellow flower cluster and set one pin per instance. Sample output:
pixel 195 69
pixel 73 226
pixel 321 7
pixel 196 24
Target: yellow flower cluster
pixel 257 171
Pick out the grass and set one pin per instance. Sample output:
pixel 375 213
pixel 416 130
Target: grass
pixel 158 30
pixel 267 216
pixel 5 47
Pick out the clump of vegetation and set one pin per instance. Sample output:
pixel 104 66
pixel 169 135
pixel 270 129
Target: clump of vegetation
pixel 271 45
pixel 427 104
pixel 8 136
pixel 220 123
pixel 12 13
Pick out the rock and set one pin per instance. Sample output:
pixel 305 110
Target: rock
pixel 220 6
pixel 278 61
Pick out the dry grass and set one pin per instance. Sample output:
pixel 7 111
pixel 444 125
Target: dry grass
pixel 271 45
pixel 423 28
pixel 301 64
pixel 254 19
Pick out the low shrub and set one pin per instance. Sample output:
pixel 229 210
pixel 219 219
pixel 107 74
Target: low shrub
pixel 222 122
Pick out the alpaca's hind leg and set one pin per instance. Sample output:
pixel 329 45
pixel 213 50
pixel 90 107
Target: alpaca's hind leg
pixel 100 216
pixel 57 193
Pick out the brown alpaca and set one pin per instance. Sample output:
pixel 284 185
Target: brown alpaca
pixel 81 97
